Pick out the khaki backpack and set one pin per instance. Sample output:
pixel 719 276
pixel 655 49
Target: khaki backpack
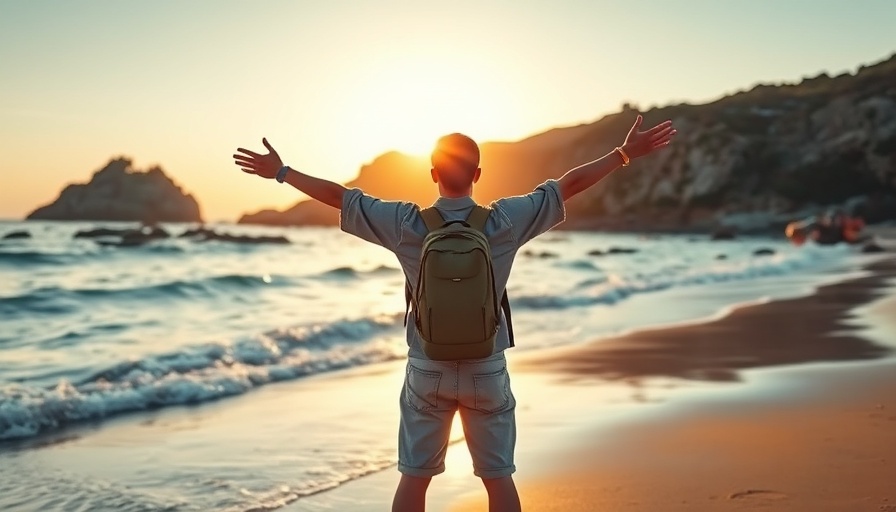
pixel 456 307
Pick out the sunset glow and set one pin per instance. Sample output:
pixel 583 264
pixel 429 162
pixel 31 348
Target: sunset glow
pixel 333 86
pixel 406 102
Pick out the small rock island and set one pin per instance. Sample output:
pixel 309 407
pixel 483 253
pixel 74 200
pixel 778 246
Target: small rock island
pixel 118 192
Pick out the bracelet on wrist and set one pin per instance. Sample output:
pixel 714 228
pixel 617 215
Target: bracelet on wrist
pixel 281 174
pixel 625 158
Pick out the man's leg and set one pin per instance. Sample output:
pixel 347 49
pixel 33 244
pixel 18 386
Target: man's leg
pixel 502 495
pixel 411 494
pixel 487 411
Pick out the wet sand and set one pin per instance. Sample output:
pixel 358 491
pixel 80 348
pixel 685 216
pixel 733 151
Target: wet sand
pixel 830 447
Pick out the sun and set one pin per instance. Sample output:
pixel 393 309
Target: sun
pixel 408 102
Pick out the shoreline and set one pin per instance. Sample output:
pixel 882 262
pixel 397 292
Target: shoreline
pixel 260 428
pixel 716 349
pixel 803 431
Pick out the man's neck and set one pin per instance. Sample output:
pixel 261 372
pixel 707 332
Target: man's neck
pixel 454 194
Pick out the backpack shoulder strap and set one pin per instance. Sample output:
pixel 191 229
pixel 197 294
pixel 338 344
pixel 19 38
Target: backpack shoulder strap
pixel 432 218
pixel 505 305
pixel 407 299
pixel 478 217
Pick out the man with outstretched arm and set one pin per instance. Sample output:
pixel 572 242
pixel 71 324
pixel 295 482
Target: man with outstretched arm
pixel 479 390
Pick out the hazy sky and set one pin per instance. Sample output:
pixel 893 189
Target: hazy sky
pixel 334 83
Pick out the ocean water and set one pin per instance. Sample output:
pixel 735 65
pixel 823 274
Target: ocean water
pixel 90 333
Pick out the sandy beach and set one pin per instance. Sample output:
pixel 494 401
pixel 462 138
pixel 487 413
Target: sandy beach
pixel 812 435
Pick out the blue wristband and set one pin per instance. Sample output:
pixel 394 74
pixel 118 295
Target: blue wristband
pixel 281 174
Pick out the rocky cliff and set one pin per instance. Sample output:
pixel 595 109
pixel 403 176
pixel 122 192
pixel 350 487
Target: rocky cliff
pixel 118 192
pixel 753 159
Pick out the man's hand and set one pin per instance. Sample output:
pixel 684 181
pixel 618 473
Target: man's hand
pixel 638 143
pixel 265 166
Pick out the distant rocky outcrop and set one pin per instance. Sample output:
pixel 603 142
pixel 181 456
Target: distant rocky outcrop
pixel 208 235
pixel 16 235
pixel 118 192
pixel 749 161
pixel 130 237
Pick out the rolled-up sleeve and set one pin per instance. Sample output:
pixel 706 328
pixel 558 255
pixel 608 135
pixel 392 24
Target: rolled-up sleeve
pixel 373 219
pixel 534 213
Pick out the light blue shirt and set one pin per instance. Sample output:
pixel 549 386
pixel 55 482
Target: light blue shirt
pixel 398 226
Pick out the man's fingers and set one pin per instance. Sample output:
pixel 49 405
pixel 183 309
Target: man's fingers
pixel 661 145
pixel 661 140
pixel 658 128
pixel 264 141
pixel 244 159
pixel 636 125
pixel 248 171
pixel 662 133
pixel 250 153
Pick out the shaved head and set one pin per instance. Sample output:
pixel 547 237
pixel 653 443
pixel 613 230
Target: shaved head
pixel 455 159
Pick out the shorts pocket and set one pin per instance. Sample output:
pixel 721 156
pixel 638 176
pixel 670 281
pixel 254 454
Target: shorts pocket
pixel 492 390
pixel 421 390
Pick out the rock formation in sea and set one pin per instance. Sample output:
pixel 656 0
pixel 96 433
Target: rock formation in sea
pixel 118 192
pixel 752 160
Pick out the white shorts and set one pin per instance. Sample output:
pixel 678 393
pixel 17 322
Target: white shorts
pixel 480 391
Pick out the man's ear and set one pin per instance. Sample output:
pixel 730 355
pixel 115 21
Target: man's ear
pixel 476 174
pixel 435 175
